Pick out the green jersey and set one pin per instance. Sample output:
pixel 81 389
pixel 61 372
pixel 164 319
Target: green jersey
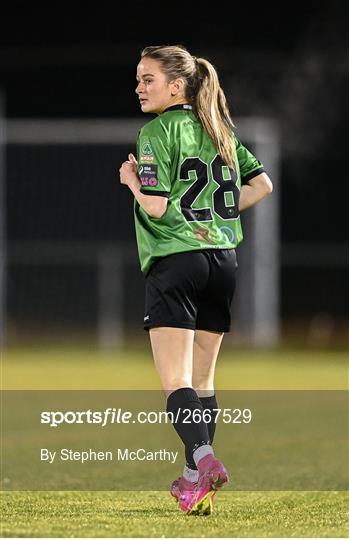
pixel 178 160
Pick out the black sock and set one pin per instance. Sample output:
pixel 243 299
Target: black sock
pixel 209 403
pixel 193 434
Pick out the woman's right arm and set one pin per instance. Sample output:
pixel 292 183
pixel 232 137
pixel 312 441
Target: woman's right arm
pixel 154 205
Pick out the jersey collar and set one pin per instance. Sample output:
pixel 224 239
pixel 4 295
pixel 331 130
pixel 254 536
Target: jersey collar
pixel 182 106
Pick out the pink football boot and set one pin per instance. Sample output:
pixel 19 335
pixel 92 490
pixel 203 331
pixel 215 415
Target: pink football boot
pixel 212 476
pixel 183 490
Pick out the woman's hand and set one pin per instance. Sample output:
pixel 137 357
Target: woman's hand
pixel 128 172
pixel 133 160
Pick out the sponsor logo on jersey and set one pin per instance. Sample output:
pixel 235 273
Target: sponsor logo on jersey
pixel 147 158
pixel 148 175
pixel 149 182
pixel 204 233
pixel 147 149
pixel 228 233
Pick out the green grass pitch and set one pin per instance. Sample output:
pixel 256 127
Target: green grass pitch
pixel 154 514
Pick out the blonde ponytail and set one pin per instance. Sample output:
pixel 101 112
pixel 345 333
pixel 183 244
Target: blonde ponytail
pixel 212 110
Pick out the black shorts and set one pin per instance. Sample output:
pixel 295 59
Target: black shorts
pixel 191 290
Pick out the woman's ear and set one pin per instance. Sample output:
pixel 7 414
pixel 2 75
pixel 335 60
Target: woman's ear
pixel 177 86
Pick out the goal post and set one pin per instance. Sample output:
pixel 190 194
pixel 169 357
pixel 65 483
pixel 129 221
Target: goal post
pixel 257 304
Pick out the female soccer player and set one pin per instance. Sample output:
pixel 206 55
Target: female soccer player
pixel 191 180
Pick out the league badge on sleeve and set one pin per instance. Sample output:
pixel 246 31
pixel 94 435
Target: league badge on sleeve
pixel 147 152
pixel 149 175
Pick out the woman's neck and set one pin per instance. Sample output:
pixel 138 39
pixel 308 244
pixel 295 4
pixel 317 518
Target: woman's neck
pixel 178 101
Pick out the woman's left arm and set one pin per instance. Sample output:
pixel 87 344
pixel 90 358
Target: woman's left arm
pixel 255 190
